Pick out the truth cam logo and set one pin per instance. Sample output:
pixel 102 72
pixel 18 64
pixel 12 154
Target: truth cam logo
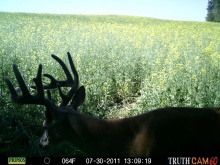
pixel 193 160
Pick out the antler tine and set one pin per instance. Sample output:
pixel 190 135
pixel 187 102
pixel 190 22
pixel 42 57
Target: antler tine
pixel 75 73
pixel 26 97
pixel 38 82
pixel 64 83
pixel 13 92
pixel 69 82
pixel 74 85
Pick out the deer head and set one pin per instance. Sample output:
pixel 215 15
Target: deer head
pixel 173 131
pixel 55 116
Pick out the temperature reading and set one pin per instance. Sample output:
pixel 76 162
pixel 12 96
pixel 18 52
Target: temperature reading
pixel 68 160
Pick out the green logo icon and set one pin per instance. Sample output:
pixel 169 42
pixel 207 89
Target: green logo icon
pixel 16 160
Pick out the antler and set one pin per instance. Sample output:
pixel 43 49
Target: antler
pixel 65 83
pixel 26 97
pixel 69 82
pixel 39 98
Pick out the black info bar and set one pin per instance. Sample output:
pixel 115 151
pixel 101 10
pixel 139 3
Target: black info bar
pixel 110 160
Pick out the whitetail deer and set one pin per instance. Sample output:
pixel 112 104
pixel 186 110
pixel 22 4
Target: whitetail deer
pixel 174 131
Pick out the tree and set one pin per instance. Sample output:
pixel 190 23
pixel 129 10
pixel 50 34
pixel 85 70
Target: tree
pixel 213 11
pixel 217 10
pixel 210 8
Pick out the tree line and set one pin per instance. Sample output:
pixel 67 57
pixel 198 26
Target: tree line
pixel 213 9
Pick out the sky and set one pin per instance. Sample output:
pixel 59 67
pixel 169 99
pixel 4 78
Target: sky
pixel 187 10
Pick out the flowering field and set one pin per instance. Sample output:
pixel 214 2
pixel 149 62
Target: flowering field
pixel 128 65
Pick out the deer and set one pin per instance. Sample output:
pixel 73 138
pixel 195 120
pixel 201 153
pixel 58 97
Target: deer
pixel 169 131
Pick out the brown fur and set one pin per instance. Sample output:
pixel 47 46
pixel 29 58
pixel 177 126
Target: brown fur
pixel 161 132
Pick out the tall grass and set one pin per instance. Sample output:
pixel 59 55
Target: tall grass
pixel 129 65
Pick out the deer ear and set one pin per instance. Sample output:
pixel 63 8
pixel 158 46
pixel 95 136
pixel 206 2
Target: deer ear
pixel 79 98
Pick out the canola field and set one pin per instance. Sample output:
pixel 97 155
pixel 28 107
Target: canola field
pixel 128 65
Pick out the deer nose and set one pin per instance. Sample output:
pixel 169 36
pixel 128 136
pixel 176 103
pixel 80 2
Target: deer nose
pixel 44 146
pixel 44 141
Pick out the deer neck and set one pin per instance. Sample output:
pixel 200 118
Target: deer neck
pixel 98 136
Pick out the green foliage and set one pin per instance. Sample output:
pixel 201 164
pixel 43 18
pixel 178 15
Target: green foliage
pixel 128 65
pixel 213 9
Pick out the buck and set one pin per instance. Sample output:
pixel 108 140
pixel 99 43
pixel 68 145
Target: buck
pixel 177 131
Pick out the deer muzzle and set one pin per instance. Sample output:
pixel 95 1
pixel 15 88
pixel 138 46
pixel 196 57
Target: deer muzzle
pixel 44 141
